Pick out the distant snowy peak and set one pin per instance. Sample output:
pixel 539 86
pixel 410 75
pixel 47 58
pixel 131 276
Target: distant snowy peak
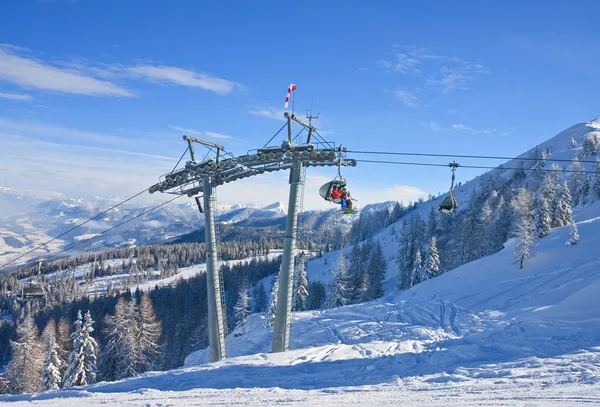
pixel 595 124
pixel 276 207
pixel 380 206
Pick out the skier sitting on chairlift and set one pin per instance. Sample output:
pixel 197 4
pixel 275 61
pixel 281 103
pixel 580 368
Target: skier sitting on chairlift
pixel 346 201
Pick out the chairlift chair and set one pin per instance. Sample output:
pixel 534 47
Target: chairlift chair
pixel 450 203
pixel 32 290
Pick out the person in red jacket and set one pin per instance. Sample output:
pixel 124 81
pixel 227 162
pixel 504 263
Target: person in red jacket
pixel 336 193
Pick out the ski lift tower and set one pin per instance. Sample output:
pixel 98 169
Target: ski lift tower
pixel 203 177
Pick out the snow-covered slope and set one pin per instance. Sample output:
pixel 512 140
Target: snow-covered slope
pixel 486 333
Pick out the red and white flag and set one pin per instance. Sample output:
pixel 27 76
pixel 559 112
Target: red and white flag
pixel 290 90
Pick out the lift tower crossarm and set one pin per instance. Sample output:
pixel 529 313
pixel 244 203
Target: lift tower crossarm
pixel 205 143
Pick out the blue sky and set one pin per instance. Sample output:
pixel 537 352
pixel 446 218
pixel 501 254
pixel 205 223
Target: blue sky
pixel 94 95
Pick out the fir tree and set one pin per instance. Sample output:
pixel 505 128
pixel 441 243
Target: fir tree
pixel 49 335
pixel 149 333
pixel 591 145
pixel 376 269
pixel 242 306
pixel 260 298
pixel 63 339
pixel 596 186
pixel 432 263
pixel 120 356
pixel 562 207
pixel 416 272
pixel 52 370
pixel 541 216
pixel 300 289
pixel 586 189
pixel 272 311
pixel 577 179
pixel 524 243
pixel 573 143
pixel 341 290
pixel 24 372
pixel 573 235
pixel 82 362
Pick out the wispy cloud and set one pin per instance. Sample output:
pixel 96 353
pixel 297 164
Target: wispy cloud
pixel 433 71
pixel 46 130
pixel 212 134
pixel 22 69
pixel 183 77
pixel 186 131
pixel 462 127
pixel 408 98
pixel 81 77
pixel 434 126
pixel 194 132
pixel 16 96
pixel 267 111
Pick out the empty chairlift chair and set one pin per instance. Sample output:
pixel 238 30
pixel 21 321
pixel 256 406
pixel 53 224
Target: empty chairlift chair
pixel 450 204
pixel 32 290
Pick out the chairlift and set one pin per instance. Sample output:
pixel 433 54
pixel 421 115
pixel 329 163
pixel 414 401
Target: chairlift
pixel 338 182
pixel 32 290
pixel 450 204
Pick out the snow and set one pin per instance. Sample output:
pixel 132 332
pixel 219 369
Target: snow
pixel 486 333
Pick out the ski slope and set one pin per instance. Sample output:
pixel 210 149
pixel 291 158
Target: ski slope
pixel 485 333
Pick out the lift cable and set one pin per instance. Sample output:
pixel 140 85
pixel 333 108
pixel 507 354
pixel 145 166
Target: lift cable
pixel 108 230
pixel 486 157
pixel 74 227
pixel 472 166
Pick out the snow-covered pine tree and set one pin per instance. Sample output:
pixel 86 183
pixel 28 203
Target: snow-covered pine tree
pixel 573 143
pixel 130 359
pixel 591 145
pixel 82 362
pixel 586 188
pixel 260 298
pixel 596 186
pixel 301 292
pixel 52 369
pixel 573 235
pixel 376 268
pixel 364 288
pixel 341 290
pixel 63 339
pixel 576 181
pixel 272 311
pixel 432 263
pixel 49 335
pixel 541 216
pixel 416 272
pixel 115 359
pixel 24 371
pixel 242 306
pixel 431 222
pixel 149 333
pixel 562 206
pixel 524 243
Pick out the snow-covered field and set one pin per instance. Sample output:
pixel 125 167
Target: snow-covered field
pixel 486 333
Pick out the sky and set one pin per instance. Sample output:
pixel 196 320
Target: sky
pixel 95 96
